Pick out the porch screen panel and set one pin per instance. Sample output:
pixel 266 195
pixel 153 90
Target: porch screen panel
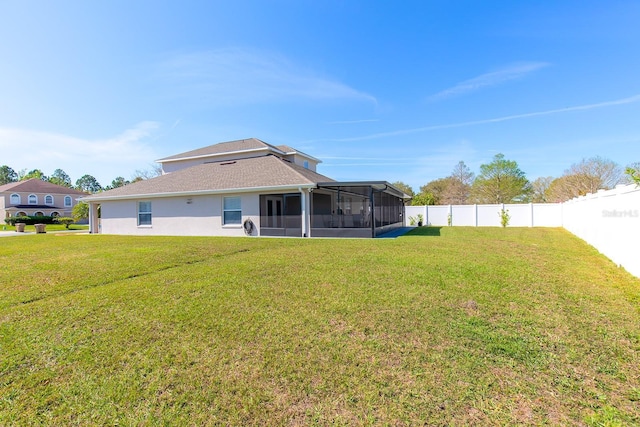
pixel 321 208
pixel 271 211
pixel 292 211
pixel 377 209
pixel 281 214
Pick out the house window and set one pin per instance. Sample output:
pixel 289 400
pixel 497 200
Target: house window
pixel 33 199
pixel 67 201
pixel 15 199
pixel 48 199
pixel 144 213
pixel 232 211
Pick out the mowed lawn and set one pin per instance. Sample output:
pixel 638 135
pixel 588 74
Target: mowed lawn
pixel 444 326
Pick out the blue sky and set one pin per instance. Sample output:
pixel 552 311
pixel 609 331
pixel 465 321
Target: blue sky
pixel 377 90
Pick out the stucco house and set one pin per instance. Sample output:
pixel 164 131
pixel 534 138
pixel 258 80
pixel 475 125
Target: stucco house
pixel 247 187
pixel 35 197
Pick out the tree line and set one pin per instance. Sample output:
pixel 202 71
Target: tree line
pixel 502 181
pixel 86 183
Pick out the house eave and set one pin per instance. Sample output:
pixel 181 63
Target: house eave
pixel 240 152
pixel 301 154
pixel 383 186
pixel 293 187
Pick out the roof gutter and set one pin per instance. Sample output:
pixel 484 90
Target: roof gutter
pixel 382 186
pixel 294 187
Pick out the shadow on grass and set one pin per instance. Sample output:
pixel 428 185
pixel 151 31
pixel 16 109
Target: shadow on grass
pixel 424 231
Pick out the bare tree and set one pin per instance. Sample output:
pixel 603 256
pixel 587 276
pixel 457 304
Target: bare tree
pixel 142 174
pixel 588 176
pixel 540 189
pixel 458 189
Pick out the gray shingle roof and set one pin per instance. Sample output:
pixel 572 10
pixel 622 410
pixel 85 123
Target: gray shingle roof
pixel 288 150
pixel 222 148
pixel 241 174
pixel 35 185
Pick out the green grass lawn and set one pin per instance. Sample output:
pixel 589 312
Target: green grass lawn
pixel 444 326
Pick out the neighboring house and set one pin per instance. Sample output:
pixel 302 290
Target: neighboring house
pixel 35 197
pixel 247 187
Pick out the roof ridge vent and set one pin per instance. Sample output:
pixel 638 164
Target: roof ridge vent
pixel 233 162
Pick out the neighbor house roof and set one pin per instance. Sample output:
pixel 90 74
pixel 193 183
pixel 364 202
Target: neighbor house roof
pixel 35 185
pixel 48 207
pixel 219 177
pixel 231 147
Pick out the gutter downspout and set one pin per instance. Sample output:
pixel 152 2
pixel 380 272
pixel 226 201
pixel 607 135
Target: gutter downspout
pixel 304 215
pixel 373 212
pixel 93 224
pixel 90 219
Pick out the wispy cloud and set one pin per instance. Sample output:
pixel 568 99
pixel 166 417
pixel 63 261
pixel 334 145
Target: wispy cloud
pixel 242 76
pixel 103 158
pixel 628 100
pixel 381 159
pixel 494 78
pixel 431 163
pixel 452 152
pixel 351 122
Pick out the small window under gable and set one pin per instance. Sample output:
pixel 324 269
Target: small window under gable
pixel 306 164
pixel 33 199
pixel 15 199
pixel 48 199
pixel 67 201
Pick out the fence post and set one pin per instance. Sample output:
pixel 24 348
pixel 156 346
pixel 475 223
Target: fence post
pixel 531 206
pixel 475 209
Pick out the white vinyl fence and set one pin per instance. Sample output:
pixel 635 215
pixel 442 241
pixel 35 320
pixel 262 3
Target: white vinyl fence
pixel 522 215
pixel 608 220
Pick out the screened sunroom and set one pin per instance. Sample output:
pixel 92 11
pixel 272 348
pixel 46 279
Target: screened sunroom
pixel 356 209
pixel 333 209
